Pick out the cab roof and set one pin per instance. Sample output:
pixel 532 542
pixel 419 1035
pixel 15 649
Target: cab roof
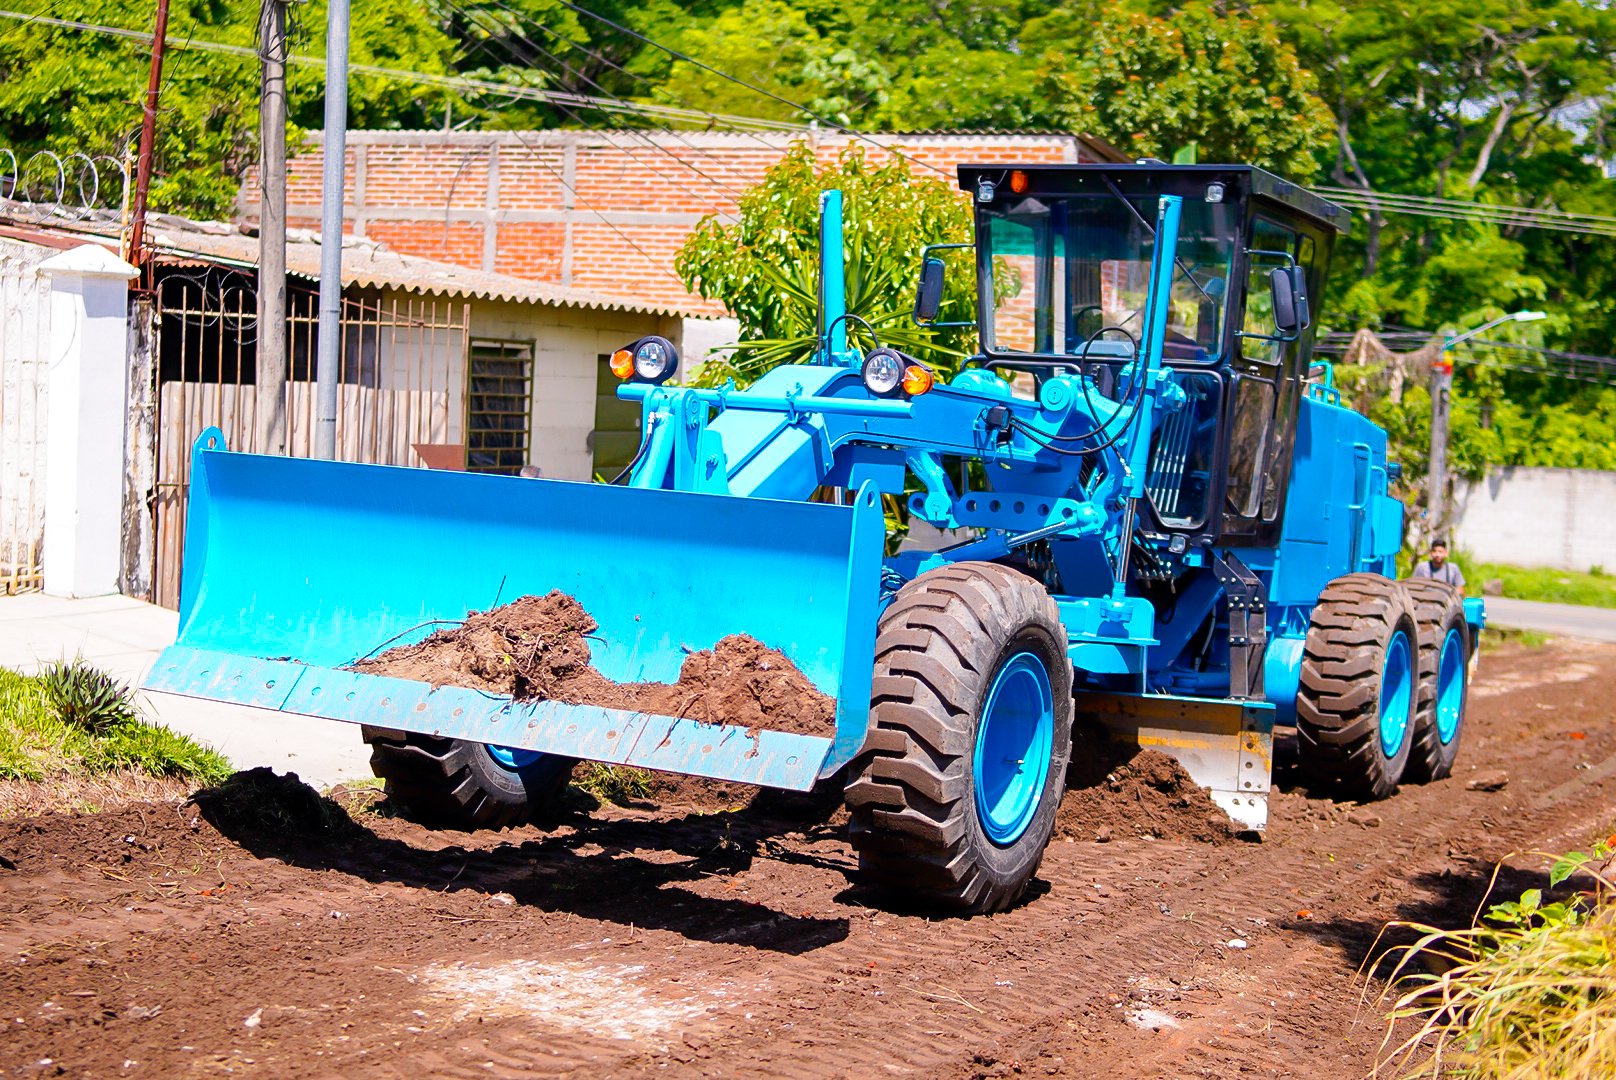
pixel 1241 182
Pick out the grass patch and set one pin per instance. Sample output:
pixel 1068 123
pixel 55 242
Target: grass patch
pixel 75 720
pixel 619 784
pixel 1595 588
pixel 1528 992
pixel 1498 637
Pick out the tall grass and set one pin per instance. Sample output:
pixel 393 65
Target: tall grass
pixel 74 720
pixel 1527 993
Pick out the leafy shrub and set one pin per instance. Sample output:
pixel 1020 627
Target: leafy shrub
pixel 1529 992
pixel 88 697
pixel 74 718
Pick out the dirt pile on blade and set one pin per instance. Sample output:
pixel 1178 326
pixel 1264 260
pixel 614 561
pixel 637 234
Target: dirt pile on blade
pixel 536 648
pixel 1148 794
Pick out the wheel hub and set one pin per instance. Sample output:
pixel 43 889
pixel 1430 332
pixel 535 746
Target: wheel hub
pixel 1014 741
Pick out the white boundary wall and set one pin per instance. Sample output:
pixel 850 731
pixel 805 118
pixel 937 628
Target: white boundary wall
pixel 1559 518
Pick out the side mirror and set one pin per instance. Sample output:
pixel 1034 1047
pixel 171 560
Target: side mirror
pixel 1288 288
pixel 929 297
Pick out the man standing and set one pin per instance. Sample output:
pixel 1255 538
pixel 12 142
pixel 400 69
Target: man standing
pixel 1438 568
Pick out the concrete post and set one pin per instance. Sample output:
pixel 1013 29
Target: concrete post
pixel 84 438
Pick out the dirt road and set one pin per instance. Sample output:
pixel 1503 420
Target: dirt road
pixel 169 940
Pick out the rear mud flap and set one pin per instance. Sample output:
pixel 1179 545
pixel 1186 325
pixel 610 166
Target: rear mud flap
pixel 1227 747
pixel 295 568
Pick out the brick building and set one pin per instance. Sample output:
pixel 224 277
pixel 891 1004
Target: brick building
pixel 601 210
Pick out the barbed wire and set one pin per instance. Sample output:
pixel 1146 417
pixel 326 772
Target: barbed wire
pixel 44 186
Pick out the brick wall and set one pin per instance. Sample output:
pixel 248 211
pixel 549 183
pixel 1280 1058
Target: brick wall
pixel 596 210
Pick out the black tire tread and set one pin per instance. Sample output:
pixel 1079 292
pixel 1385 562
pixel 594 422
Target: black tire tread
pixel 910 794
pixel 1437 607
pixel 431 780
pixel 1337 717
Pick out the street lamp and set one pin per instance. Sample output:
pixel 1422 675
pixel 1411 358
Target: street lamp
pixel 1441 384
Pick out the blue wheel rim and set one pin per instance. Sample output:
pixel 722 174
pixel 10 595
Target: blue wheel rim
pixel 1396 692
pixel 1015 738
pixel 1450 687
pixel 513 758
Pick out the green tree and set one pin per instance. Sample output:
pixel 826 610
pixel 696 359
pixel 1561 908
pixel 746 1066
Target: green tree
pixel 69 91
pixel 765 267
pixel 1153 85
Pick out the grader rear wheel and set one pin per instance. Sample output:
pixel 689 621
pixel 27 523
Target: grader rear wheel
pixel 1444 678
pixel 1355 710
pixel 953 798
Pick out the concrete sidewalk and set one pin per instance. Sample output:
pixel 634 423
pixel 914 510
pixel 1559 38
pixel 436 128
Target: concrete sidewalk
pixel 124 636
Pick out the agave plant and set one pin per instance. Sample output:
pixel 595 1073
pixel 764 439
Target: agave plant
pixel 87 697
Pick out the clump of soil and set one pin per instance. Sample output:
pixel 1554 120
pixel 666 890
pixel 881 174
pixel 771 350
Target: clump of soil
pixel 1147 794
pixel 536 648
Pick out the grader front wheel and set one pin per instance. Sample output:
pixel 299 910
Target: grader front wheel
pixel 456 784
pixel 953 798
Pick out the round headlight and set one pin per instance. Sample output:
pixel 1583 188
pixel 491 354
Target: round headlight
pixel 655 359
pixel 883 371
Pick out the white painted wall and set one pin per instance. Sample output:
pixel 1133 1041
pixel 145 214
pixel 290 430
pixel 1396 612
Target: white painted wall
pixel 567 345
pixel 88 401
pixel 24 340
pixel 1559 518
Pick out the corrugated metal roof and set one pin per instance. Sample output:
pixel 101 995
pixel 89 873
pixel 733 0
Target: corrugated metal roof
pixel 365 264
pixel 368 264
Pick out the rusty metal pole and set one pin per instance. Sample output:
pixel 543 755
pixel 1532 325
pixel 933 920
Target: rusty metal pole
pixel 148 134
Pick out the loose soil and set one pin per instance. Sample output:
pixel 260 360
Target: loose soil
pixel 262 930
pixel 1145 794
pixel 537 648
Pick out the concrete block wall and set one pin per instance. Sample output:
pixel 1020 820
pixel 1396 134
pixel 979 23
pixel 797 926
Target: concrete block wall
pixel 596 210
pixel 1559 518
pixel 567 345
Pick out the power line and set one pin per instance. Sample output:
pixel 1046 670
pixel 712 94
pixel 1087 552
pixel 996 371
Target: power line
pixel 457 83
pixel 487 44
pixel 1605 375
pixel 677 55
pixel 712 159
pixel 1528 217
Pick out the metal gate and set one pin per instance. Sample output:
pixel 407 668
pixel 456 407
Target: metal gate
pixel 25 299
pixel 401 386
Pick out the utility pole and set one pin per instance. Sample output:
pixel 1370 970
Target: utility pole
pixel 336 141
pixel 271 355
pixel 1436 479
pixel 148 135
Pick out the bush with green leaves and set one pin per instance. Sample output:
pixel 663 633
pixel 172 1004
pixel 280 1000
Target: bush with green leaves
pixel 765 266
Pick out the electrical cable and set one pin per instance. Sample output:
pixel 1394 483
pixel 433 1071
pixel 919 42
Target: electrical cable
pixel 1134 394
pixel 824 339
pixel 471 17
pixel 457 83
pixel 677 55
pixel 655 88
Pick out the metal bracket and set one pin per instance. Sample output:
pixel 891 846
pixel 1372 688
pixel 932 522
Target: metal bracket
pixel 1248 625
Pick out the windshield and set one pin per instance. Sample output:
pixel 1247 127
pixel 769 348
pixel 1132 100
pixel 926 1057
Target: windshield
pixel 1066 267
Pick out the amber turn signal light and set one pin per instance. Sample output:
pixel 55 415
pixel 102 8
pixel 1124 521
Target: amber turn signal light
pixel 622 363
pixel 917 380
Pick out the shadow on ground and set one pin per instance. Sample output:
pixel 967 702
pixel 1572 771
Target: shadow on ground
pixel 277 816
